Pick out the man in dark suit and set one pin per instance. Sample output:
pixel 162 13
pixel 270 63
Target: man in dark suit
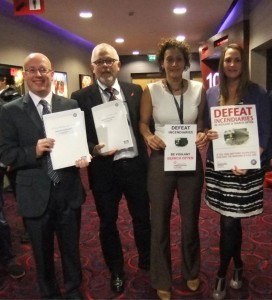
pixel 115 173
pixel 47 206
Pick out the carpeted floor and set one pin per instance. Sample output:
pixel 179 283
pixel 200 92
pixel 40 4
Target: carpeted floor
pixel 257 255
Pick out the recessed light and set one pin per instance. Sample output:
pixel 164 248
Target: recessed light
pixel 135 52
pixel 85 14
pixel 180 38
pixel 119 40
pixel 179 10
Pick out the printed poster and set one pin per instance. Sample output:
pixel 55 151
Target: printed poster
pixel 238 142
pixel 180 151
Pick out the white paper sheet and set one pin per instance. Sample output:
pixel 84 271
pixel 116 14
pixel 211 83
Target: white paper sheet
pixel 111 125
pixel 68 130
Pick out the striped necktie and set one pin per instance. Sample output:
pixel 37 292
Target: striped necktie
pixel 111 90
pixel 52 173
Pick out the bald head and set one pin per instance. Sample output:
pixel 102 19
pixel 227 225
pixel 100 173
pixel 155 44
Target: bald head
pixel 38 57
pixel 104 50
pixel 38 74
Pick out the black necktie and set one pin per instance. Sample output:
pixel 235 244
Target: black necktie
pixel 52 173
pixel 110 90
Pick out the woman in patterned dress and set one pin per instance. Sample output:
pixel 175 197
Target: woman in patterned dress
pixel 237 193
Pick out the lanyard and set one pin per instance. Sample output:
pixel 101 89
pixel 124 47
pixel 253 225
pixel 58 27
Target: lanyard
pixel 179 107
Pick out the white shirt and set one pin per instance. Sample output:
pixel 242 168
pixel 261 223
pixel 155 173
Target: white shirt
pixel 36 99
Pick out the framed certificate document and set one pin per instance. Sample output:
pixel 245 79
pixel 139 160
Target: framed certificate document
pixel 68 130
pixel 180 151
pixel 238 142
pixel 111 124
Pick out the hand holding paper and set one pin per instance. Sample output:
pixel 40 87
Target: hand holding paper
pixel 68 130
pixel 112 126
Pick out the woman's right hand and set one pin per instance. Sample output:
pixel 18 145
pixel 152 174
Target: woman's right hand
pixel 212 134
pixel 154 142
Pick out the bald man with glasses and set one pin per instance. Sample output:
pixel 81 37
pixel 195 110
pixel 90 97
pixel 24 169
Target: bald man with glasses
pixel 116 173
pixel 49 201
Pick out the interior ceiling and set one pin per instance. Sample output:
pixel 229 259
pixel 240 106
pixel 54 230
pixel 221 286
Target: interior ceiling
pixel 142 23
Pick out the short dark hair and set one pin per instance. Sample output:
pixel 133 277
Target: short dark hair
pixel 8 78
pixel 168 43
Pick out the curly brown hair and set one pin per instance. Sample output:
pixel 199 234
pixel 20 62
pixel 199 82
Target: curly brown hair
pixel 168 43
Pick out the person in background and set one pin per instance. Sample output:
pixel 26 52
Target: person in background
pixel 117 172
pixel 237 193
pixel 9 93
pixel 7 258
pixel 50 202
pixel 173 100
pixel 7 90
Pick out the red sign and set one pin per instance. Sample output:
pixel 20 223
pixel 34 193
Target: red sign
pixel 28 7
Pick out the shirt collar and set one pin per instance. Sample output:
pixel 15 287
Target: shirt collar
pixel 116 86
pixel 36 99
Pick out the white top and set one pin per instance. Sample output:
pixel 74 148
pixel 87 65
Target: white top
pixel 164 107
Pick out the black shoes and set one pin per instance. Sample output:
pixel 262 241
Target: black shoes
pixel 117 283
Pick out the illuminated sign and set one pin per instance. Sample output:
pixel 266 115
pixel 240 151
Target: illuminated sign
pixel 28 7
pixel 151 57
pixel 213 79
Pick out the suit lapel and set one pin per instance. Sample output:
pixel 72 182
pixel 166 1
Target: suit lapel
pixel 56 103
pixel 129 94
pixel 31 110
pixel 97 95
pixel 129 97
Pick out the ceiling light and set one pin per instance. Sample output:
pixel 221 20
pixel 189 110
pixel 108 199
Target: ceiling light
pixel 119 40
pixel 179 10
pixel 180 38
pixel 85 14
pixel 135 52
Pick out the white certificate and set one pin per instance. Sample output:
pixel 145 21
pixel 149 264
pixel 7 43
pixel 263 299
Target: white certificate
pixel 180 151
pixel 238 142
pixel 68 130
pixel 111 124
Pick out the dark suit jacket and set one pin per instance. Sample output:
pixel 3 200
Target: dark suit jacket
pixel 20 129
pixel 100 169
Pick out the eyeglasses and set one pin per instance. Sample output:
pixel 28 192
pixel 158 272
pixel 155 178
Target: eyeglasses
pixel 109 62
pixel 41 70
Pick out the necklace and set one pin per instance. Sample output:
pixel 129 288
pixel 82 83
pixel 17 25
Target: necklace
pixel 179 107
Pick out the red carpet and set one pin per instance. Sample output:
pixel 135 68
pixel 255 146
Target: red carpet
pixel 257 255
